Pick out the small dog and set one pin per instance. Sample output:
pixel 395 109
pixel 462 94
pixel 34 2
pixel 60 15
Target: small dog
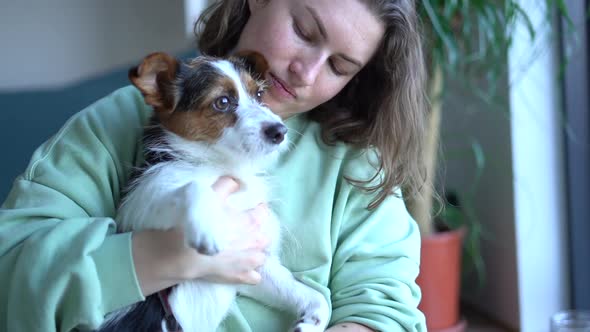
pixel 208 122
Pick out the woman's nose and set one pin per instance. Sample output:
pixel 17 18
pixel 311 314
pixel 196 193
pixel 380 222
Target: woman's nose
pixel 305 71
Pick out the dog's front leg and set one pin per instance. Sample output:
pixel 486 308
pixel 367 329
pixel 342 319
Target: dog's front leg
pixel 203 218
pixel 200 306
pixel 280 289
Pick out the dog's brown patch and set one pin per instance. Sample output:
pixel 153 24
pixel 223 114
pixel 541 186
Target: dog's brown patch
pixel 252 86
pixel 254 67
pixel 201 125
pixel 202 122
pixel 153 77
pixel 252 61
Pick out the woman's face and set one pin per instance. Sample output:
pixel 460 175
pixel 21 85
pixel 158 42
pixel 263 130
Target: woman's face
pixel 313 48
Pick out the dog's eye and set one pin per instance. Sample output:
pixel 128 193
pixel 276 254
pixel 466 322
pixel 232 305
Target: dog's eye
pixel 259 94
pixel 222 104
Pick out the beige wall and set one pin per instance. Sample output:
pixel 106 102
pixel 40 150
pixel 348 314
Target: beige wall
pixel 53 43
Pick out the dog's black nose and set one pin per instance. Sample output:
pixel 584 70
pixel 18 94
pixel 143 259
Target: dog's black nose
pixel 274 133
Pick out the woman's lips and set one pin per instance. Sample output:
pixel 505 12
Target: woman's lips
pixel 281 88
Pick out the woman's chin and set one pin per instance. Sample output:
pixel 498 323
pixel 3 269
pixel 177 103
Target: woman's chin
pixel 282 109
pixel 277 107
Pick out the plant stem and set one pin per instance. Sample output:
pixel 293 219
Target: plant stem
pixel 421 206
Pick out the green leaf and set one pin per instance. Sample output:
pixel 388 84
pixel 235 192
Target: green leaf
pixel 519 13
pixel 442 33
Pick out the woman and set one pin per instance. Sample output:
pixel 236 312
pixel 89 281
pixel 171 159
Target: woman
pixel 348 78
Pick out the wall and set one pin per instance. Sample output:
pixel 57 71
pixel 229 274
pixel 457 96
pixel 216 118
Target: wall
pixel 47 44
pixel 468 117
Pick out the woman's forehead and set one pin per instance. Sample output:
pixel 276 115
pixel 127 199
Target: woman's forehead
pixel 350 26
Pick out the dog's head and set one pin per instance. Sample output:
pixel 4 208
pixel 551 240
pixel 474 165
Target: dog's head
pixel 212 100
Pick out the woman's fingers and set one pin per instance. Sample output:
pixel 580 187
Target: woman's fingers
pixel 259 214
pixel 246 231
pixel 247 242
pixel 235 267
pixel 225 186
pixel 253 278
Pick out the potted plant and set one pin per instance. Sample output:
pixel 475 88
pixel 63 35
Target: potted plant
pixel 466 41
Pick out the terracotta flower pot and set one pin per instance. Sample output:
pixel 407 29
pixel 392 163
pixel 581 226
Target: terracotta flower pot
pixel 440 278
pixel 461 326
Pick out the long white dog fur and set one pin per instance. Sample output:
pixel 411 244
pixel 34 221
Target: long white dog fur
pixel 178 192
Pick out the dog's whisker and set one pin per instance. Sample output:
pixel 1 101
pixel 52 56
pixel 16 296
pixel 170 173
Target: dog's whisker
pixel 296 131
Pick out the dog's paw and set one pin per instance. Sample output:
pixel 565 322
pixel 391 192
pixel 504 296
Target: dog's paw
pixel 206 246
pixel 315 317
pixel 308 324
pixel 201 240
pixel 198 228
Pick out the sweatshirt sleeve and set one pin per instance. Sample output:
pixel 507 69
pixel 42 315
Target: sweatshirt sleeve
pixel 375 266
pixel 62 266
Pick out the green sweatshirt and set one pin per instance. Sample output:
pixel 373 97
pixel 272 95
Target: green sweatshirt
pixel 63 267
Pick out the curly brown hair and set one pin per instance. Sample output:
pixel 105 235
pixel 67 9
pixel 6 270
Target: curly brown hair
pixel 383 107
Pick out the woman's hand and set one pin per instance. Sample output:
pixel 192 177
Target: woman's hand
pixel 245 252
pixel 162 260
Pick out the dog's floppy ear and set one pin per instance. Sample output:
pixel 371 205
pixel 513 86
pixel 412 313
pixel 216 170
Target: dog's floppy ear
pixel 154 77
pixel 254 62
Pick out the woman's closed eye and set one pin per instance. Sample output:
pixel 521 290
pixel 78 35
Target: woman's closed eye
pixel 308 37
pixel 301 32
pixel 342 67
pixel 335 69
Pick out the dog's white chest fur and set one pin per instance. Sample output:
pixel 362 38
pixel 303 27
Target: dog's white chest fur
pixel 180 194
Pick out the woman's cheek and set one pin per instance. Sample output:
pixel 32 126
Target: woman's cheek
pixel 327 91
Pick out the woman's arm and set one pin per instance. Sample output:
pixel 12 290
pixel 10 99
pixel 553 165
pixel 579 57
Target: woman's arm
pixel 63 266
pixel 375 266
pixel 177 262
